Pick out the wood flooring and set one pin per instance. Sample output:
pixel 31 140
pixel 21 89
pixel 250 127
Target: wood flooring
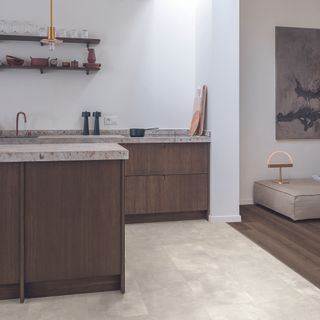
pixel 297 244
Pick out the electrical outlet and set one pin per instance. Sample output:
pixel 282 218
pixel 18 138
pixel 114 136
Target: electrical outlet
pixel 111 120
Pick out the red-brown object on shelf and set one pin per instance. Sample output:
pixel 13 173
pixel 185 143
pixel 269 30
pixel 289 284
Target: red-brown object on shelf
pixel 91 56
pixel 39 62
pixel 14 61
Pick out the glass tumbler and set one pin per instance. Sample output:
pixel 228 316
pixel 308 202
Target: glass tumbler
pixel 3 26
pixel 16 27
pixel 84 34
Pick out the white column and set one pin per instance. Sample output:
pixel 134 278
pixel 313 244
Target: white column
pixel 217 65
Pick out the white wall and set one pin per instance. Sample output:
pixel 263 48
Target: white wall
pixel 217 64
pixel 258 20
pixel 148 58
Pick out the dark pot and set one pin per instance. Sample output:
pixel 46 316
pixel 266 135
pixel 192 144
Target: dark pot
pixel 139 133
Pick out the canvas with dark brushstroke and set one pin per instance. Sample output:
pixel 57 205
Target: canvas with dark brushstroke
pixel 298 83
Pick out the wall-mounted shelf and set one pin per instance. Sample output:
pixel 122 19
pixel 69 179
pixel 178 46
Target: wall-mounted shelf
pixel 42 69
pixel 87 41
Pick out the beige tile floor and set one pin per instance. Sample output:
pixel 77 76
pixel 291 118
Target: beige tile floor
pixel 190 271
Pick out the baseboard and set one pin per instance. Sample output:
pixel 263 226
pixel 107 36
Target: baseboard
pixel 74 286
pixel 224 219
pixel 245 202
pixel 164 217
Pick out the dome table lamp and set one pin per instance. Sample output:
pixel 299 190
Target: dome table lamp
pixel 280 166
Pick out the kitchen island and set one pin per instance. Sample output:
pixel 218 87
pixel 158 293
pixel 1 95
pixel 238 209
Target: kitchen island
pixel 61 219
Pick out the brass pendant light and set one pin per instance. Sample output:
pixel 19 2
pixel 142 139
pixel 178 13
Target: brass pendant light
pixel 52 41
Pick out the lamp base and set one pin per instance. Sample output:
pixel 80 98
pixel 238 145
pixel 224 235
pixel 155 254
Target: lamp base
pixel 280 182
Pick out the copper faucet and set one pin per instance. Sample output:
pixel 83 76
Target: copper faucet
pixel 17 121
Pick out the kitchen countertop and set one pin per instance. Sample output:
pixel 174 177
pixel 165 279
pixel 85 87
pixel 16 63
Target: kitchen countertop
pixel 110 136
pixel 62 152
pixel 126 139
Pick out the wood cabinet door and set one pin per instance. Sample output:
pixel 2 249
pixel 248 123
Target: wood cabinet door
pixel 9 223
pixel 167 159
pixel 166 194
pixel 72 220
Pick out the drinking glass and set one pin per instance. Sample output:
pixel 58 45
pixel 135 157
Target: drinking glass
pixel 42 32
pixel 28 28
pixel 84 34
pixel 9 27
pixel 3 26
pixel 62 33
pixel 74 33
pixel 16 27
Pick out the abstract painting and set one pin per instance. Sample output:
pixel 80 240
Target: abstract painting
pixel 297 83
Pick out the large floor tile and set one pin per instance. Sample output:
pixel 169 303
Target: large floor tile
pixel 189 270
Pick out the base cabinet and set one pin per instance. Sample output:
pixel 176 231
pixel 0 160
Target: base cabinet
pixel 165 182
pixel 73 234
pixel 161 194
pixel 9 230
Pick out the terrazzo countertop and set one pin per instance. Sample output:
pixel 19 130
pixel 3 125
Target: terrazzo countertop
pixel 125 139
pixel 110 136
pixel 62 152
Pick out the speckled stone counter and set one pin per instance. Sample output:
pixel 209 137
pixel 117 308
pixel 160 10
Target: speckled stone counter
pixel 124 139
pixel 62 152
pixel 110 136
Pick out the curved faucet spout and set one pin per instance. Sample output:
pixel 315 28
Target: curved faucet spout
pixel 17 121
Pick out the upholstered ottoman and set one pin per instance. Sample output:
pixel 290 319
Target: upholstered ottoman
pixel 298 200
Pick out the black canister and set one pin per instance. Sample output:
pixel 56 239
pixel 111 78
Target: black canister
pixel 86 116
pixel 97 116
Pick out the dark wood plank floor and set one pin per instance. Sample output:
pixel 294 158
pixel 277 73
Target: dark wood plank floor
pixel 297 244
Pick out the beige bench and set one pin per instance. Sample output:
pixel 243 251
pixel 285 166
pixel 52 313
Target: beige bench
pixel 298 200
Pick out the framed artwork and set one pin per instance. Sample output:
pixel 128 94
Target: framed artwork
pixel 297 83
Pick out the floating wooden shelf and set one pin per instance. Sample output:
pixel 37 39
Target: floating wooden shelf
pixel 42 69
pixel 87 41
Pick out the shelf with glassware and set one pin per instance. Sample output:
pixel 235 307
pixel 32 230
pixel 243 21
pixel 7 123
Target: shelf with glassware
pixel 11 37
pixel 42 69
pixel 45 64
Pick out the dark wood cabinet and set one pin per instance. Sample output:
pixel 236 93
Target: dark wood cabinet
pixel 72 220
pixel 9 230
pixel 167 159
pixel 72 235
pixel 167 182
pixel 161 194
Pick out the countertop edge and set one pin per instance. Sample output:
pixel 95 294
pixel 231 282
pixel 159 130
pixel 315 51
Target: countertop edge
pixel 62 152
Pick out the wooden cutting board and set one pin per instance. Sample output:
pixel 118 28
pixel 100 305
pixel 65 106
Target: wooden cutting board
pixel 204 97
pixel 195 123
